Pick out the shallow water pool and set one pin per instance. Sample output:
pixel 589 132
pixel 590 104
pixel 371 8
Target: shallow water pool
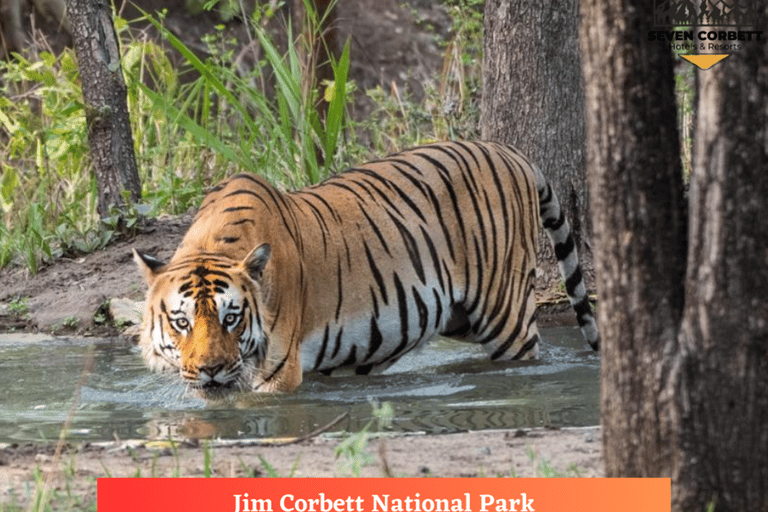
pixel 103 391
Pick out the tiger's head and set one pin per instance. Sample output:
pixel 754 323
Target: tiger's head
pixel 203 319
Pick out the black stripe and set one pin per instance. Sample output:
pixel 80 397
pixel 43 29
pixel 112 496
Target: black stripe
pixel 441 222
pixel 573 281
pixel 349 177
pixel 337 343
pixel 364 370
pixel 435 258
pixel 376 274
pixel 271 191
pixel 325 203
pixel 241 221
pixel 583 311
pixel 468 177
pixel 564 249
pixel 501 324
pixel 545 196
pixel 502 193
pixel 402 303
pixel 449 187
pixel 237 209
pixel 411 247
pixel 501 349
pixel 375 227
pixel 394 186
pixel 375 340
pixel 422 310
pixel 346 187
pixel 340 290
pixel 374 301
pixel 247 192
pixel 406 173
pixel 527 347
pixel 324 230
pixel 323 346
pixel 439 311
pixel 370 186
pixel 351 357
pixel 480 292
pixel 553 224
pixel 277 369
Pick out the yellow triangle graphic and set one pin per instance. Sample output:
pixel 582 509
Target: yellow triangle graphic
pixel 704 61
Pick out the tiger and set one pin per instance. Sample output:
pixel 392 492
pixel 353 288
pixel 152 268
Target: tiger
pixel 359 270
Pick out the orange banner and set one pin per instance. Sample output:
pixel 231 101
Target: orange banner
pixel 384 495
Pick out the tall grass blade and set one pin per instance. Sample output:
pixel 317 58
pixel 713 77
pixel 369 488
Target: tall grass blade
pixel 200 133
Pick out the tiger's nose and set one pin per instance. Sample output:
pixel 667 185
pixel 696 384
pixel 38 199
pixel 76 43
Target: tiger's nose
pixel 211 370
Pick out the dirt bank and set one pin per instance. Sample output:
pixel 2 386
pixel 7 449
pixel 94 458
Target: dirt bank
pixel 538 452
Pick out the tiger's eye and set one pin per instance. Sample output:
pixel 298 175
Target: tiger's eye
pixel 230 319
pixel 181 324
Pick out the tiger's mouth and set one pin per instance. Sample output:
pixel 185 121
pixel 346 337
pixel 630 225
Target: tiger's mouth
pixel 215 390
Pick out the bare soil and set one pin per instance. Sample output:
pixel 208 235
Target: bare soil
pixel 391 47
pixel 532 453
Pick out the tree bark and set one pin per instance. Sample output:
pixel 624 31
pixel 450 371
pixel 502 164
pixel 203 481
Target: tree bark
pixel 106 110
pixel 533 98
pixel 723 360
pixel 683 309
pixel 636 186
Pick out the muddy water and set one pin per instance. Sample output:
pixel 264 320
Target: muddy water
pixel 448 387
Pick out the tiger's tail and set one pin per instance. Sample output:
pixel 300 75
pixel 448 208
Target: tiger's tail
pixel 559 232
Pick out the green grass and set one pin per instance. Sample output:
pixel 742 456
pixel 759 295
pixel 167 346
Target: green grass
pixel 189 135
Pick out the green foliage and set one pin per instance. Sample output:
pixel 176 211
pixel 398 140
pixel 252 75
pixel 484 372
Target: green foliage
pixel 43 193
pixel 189 135
pixel 543 467
pixel 276 133
pixel 19 307
pixel 354 449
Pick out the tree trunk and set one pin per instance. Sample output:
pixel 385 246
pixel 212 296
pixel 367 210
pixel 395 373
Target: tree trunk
pixel 685 353
pixel 636 185
pixel 723 387
pixel 106 110
pixel 533 99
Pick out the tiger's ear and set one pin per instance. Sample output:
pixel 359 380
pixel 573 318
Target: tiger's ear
pixel 255 261
pixel 148 265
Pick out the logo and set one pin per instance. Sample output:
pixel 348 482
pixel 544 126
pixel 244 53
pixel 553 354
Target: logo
pixel 707 13
pixel 704 32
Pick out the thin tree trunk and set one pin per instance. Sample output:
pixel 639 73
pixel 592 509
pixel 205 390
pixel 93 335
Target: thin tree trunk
pixel 633 163
pixel 104 91
pixel 533 99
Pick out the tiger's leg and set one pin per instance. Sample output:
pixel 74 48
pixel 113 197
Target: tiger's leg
pixel 504 323
pixel 512 334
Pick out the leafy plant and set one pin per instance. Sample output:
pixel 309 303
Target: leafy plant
pixel 354 449
pixel 277 136
pixel 543 467
pixel 19 307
